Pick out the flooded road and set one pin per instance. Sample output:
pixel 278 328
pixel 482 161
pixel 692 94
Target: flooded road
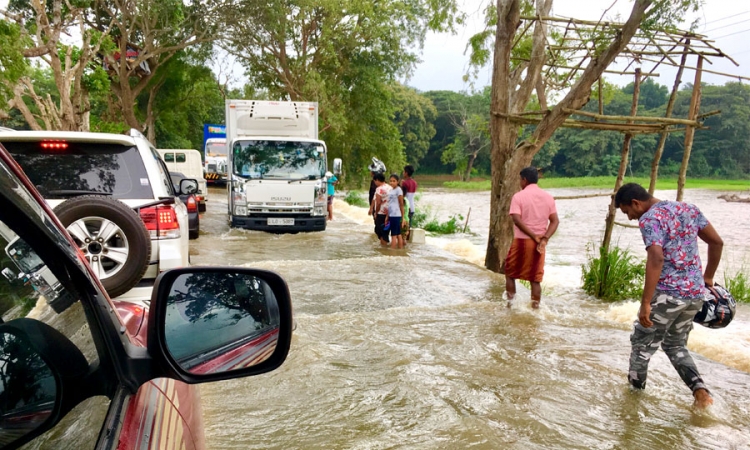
pixel 415 349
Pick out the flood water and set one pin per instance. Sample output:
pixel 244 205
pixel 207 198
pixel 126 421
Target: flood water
pixel 416 349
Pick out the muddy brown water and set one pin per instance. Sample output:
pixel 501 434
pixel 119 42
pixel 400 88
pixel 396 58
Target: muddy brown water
pixel 415 348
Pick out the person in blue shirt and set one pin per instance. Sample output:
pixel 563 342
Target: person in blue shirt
pixel 332 181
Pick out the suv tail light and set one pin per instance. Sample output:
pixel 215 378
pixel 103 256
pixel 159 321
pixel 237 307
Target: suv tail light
pixel 161 222
pixel 192 205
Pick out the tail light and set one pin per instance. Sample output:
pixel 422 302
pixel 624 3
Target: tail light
pixel 192 205
pixel 161 222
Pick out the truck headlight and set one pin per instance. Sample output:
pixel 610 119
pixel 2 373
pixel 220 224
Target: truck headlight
pixel 239 198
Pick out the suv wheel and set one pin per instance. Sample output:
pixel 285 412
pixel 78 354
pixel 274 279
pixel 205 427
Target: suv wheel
pixel 111 236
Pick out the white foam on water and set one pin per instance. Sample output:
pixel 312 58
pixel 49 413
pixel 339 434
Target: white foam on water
pixel 357 214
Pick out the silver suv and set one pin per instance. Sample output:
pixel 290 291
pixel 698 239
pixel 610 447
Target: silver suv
pixel 114 195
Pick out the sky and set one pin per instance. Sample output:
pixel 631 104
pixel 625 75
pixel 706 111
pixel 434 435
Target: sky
pixel 727 22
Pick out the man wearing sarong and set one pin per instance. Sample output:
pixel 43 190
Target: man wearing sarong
pixel 535 221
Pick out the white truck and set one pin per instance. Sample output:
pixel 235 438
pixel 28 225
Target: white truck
pixel 277 166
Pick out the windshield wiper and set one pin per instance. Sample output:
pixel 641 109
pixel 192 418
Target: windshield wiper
pixel 75 192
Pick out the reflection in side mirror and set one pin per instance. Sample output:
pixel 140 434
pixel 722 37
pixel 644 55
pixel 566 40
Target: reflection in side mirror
pixel 337 163
pixel 188 186
pixel 28 389
pixel 220 321
pixel 9 275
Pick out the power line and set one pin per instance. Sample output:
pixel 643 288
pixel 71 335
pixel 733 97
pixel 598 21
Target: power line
pixel 727 17
pixel 732 34
pixel 725 26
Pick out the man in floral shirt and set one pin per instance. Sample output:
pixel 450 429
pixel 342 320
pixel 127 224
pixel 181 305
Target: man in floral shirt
pixel 674 288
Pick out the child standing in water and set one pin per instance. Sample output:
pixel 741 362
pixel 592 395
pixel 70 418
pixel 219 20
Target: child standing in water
pixel 395 212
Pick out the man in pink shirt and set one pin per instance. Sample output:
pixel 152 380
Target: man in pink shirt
pixel 535 217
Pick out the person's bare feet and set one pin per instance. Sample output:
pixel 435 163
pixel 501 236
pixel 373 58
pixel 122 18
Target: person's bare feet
pixel 702 399
pixel 535 303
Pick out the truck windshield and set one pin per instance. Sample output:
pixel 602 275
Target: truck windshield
pixel 216 148
pixel 279 159
pixel 25 258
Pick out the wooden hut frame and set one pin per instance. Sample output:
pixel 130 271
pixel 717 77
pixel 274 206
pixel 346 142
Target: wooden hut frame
pixel 573 43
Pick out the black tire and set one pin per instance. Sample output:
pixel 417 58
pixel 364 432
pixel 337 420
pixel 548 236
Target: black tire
pixel 194 234
pixel 82 215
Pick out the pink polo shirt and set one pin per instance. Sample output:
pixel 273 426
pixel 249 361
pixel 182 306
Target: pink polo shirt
pixel 534 206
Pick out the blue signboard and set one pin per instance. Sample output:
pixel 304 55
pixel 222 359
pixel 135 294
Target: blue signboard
pixel 213 131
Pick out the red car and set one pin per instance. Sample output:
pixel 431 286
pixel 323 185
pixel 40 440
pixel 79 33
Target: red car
pixel 120 375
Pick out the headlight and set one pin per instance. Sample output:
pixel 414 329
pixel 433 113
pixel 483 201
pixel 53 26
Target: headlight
pixel 239 198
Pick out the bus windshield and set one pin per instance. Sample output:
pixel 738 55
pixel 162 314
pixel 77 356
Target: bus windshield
pixel 279 159
pixel 216 148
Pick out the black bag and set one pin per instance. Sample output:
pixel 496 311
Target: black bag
pixel 718 309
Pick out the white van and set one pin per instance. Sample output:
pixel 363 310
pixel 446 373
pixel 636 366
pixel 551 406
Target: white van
pixel 188 162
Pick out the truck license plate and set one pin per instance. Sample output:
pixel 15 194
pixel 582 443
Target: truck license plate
pixel 272 221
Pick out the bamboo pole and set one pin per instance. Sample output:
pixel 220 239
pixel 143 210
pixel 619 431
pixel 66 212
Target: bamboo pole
pixel 663 139
pixel 610 220
pixel 589 125
pixel 601 100
pixel 667 120
pixel 575 197
pixel 626 225
pixel 695 104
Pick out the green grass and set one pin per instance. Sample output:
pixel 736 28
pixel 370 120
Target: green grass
pixel 424 218
pixel 355 198
pixel 614 275
pixel 738 285
pixel 609 182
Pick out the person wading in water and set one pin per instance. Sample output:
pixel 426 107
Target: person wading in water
pixel 535 221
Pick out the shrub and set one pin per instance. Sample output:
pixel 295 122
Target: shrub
pixel 354 198
pixel 738 285
pixel 613 275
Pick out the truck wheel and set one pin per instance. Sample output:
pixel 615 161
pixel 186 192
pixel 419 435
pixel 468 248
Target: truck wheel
pixel 111 236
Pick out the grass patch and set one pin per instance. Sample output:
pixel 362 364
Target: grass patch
pixel 613 275
pixel 609 182
pixel 425 219
pixel 738 285
pixel 355 198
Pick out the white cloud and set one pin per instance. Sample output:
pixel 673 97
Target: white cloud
pixel 726 21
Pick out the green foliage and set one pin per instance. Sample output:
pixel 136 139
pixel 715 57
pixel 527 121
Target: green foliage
pixel 414 117
pixel 424 218
pixel 739 285
pixel 613 275
pixel 12 63
pixel 355 198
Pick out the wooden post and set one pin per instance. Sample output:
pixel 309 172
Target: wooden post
pixel 601 100
pixel 668 113
pixel 610 221
pixel 695 104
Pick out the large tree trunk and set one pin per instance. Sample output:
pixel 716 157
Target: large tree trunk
pixel 511 96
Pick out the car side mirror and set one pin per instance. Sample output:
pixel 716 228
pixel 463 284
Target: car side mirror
pixel 10 275
pixel 337 163
pixel 188 186
pixel 215 323
pixel 42 377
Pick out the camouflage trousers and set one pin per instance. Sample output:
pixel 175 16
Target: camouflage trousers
pixel 672 319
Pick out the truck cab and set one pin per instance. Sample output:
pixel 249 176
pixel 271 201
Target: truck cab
pixel 277 166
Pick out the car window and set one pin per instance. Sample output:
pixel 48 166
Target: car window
pixel 163 172
pixel 180 157
pixel 169 157
pixel 84 168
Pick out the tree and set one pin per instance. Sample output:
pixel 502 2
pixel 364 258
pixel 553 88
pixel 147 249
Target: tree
pixel 147 35
pixel 343 54
pixel 42 27
pixel 513 83
pixel 414 118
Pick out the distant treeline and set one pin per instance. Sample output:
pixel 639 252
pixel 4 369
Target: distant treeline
pixel 722 150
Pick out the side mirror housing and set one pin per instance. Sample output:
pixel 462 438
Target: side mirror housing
pixel 216 323
pixel 44 376
pixel 188 186
pixel 337 164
